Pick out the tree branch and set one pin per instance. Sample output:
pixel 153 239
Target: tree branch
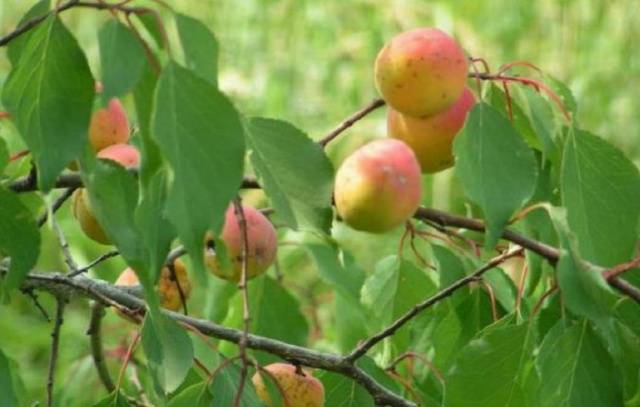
pixel 445 219
pixel 95 262
pixel 56 205
pixel 367 344
pixel 28 183
pixel 107 294
pixel 97 352
pixel 351 120
pixel 55 342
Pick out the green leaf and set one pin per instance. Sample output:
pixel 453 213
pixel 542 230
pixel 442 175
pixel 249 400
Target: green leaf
pixel 196 395
pixel 200 134
pixel 121 58
pixel 200 47
pixel 496 167
pixel 9 395
pixel 542 121
pixel 17 45
pixel 565 94
pixel 115 399
pixel 169 351
pixel 394 288
pixel 450 269
pixel 224 388
pixel 456 325
pixel 294 172
pixel 275 313
pixel 143 95
pixel 350 322
pixel 577 370
pixel 219 294
pixel 4 155
pixel 505 354
pixel 601 190
pixel 19 239
pixel 342 391
pixel 113 196
pixel 152 21
pixel 151 219
pixel 584 289
pixel 333 272
pixel 49 95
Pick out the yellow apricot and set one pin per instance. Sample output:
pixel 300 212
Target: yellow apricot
pixel 299 388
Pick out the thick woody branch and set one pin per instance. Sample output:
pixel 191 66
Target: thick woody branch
pixel 28 183
pixel 445 219
pixel 107 294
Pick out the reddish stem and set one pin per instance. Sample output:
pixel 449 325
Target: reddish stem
pixel 18 155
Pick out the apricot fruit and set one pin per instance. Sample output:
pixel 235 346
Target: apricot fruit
pixel 377 187
pixel 125 155
pixel 109 126
pixel 421 72
pixel 299 388
pixel 431 138
pixel 262 245
pixel 167 288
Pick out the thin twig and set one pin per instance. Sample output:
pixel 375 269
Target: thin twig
pixel 36 302
pixel 351 120
pixel 616 271
pixel 175 254
pixel 173 277
pixel 72 266
pixel 543 297
pixel 97 352
pixel 56 205
pixel 415 355
pixel 95 262
pixel 55 342
pixel 127 358
pixel 367 344
pixel 242 345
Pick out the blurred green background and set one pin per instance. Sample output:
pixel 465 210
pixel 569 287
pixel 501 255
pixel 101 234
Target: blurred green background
pixel 310 62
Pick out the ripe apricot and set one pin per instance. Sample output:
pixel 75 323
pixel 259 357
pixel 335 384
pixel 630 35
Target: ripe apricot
pixel 299 388
pixel 167 287
pixel 378 188
pixel 262 245
pixel 124 154
pixel 421 72
pixel 431 138
pixel 109 126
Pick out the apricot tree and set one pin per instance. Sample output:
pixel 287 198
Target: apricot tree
pixel 334 287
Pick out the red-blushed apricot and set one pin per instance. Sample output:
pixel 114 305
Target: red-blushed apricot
pixel 109 126
pixel 262 242
pixel 378 188
pixel 299 388
pixel 125 155
pixel 421 72
pixel 431 138
pixel 167 287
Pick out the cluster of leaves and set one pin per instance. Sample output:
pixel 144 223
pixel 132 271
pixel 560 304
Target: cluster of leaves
pixel 499 342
